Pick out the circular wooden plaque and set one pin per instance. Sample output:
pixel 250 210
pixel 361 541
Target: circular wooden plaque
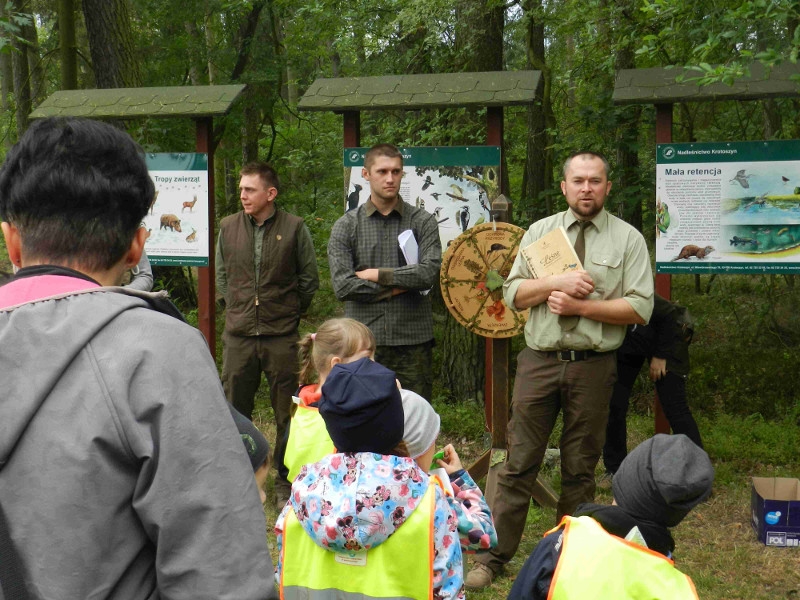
pixel 474 268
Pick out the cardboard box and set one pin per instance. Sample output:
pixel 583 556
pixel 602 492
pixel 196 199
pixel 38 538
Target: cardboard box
pixel 775 508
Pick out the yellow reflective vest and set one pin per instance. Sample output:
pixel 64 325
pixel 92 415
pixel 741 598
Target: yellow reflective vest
pixel 308 440
pixel 401 568
pixel 596 564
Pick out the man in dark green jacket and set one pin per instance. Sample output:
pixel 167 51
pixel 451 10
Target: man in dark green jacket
pixel 266 276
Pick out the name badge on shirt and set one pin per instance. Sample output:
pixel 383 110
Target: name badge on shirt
pixel 354 559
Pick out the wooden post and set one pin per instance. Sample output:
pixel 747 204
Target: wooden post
pixel 498 360
pixel 352 129
pixel 498 351
pixel 663 280
pixel 206 305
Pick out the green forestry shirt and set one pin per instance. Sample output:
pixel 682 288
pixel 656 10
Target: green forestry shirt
pixel 618 262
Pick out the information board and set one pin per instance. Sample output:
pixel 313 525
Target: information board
pixel 177 223
pixel 728 207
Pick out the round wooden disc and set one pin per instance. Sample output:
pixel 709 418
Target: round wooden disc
pixel 474 268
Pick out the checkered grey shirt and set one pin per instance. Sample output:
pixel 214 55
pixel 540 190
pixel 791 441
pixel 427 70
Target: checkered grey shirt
pixel 365 239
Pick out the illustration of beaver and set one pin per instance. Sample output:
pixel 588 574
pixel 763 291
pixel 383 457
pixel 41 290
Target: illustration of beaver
pixel 692 250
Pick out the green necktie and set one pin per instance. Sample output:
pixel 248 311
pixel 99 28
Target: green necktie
pixel 580 241
pixel 571 322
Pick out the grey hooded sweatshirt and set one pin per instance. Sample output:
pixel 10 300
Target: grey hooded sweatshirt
pixel 121 471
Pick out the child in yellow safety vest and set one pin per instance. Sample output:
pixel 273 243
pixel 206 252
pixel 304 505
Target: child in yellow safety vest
pixel 624 551
pixel 367 521
pixel 337 341
pixel 341 341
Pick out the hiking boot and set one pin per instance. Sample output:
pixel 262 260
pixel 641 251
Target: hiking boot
pixel 479 577
pixel 282 493
pixel 604 483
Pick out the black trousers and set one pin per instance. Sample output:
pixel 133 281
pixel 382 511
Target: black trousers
pixel 672 394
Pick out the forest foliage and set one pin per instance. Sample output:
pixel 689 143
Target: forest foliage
pixel 279 47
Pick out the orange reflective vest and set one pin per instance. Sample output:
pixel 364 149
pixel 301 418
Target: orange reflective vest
pixel 597 564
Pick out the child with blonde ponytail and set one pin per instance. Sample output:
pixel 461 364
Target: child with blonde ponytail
pixel 337 341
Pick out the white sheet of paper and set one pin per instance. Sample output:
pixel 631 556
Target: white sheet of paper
pixel 409 247
pixel 410 250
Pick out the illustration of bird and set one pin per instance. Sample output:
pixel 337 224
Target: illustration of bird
pixel 435 195
pixel 463 217
pixel 456 190
pixel 741 178
pixel 352 198
pixel 192 237
pixel 784 179
pixel 760 201
pixel 496 247
pixel 480 221
pixel 437 212
pixel 481 195
pixel 420 203
pixel 427 183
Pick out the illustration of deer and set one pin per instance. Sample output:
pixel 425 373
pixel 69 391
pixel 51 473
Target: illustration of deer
pixel 190 205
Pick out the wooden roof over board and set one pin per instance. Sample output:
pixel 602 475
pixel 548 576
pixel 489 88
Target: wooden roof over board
pixel 659 86
pixel 128 103
pixel 413 92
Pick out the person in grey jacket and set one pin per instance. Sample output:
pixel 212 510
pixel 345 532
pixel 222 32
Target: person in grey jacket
pixel 122 474
pixel 142 275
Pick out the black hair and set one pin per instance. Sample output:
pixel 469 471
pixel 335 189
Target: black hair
pixel 77 191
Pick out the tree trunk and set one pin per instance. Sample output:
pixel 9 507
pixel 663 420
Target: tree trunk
pixel 196 43
pixel 479 37
pixel 232 203
pixel 115 63
pixel 628 187
pixel 210 44
pixel 6 87
pixel 463 367
pixel 68 49
pixel 537 177
pixel 250 128
pixel 22 80
pixel 114 58
pixel 30 36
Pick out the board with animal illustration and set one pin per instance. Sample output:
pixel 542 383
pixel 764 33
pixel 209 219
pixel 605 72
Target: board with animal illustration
pixel 728 207
pixel 455 184
pixel 177 222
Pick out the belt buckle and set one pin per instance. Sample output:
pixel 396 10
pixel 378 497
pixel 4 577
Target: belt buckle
pixel 562 353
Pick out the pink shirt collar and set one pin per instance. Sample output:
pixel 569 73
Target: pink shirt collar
pixel 38 287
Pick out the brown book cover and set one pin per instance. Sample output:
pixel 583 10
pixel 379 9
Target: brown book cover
pixel 551 254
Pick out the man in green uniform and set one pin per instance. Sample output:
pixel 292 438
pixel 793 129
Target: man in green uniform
pixel 266 276
pixel 577 320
